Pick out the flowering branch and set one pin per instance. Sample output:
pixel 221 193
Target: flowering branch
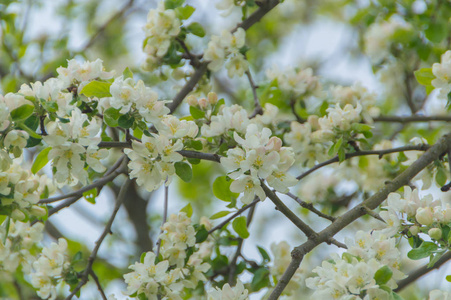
pixel 381 153
pixel 359 210
pixel 102 181
pixel 422 271
pixel 84 278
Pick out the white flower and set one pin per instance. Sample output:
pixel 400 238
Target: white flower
pixel 439 295
pixel 237 65
pixel 238 292
pixel 425 216
pixel 16 140
pixel 68 164
pixel 82 73
pixel 215 54
pixel 442 72
pixel 250 186
pixel 297 82
pixel 123 94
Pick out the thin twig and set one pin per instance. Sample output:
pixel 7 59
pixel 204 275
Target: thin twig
pixel 84 278
pixel 223 223
pixel 78 193
pixel 412 119
pixel 99 286
pixel 310 207
pixel 102 28
pixel 258 110
pixel 165 216
pixel 381 153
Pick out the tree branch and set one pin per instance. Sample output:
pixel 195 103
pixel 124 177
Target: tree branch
pixel 107 230
pixel 411 119
pixel 223 223
pixel 356 212
pixel 381 153
pixel 100 182
pixel 310 207
pixel 258 110
pixel 422 271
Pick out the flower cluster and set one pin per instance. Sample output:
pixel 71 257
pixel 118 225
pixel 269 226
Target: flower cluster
pixel 354 95
pixel 338 122
pixel 152 160
pixel 227 46
pixel 50 268
pixel 238 292
pixel 381 36
pixel 161 28
pixel 16 249
pixel 168 277
pixel 418 213
pixel 73 142
pixel 354 273
pixel 258 156
pixel 20 192
pixel 296 82
pixel 442 73
pixel 128 96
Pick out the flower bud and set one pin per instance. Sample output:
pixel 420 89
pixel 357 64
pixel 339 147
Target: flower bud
pixel 178 74
pixel 18 215
pixel 424 216
pixel 192 101
pixel 435 233
pixel 212 98
pixel 38 211
pixel 414 230
pixel 206 222
pixel 203 103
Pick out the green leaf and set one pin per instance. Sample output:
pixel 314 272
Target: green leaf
pixel 383 275
pixel 448 278
pixel 22 112
pixel 127 73
pixel 201 234
pixel 425 250
pixel 218 106
pixel 97 89
pixel 184 171
pixel 196 113
pixel 436 257
pixel 441 176
pixel 395 296
pixel 436 32
pixel 196 29
pixel 110 116
pixel 220 214
pixel 359 127
pixel 264 254
pixel 221 189
pixel 184 12
pixel 188 209
pixel 126 121
pixel 91 195
pixel 240 227
pixel 338 145
pixel 424 76
pixel 341 154
pixel 171 4
pixel 260 280
pixel 41 160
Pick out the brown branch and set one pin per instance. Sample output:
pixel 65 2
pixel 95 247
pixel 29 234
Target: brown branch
pixel 202 67
pixel 413 276
pixel 412 119
pixel 381 153
pixel 99 286
pixel 258 110
pixel 310 207
pixel 356 212
pixel 237 213
pixel 100 182
pixel 106 231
